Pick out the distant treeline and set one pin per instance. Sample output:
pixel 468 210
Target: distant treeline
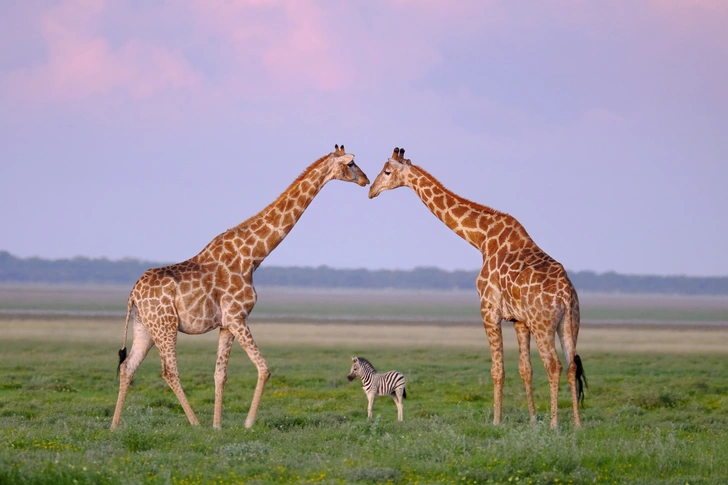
pixel 82 270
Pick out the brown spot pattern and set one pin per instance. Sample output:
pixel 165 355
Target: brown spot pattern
pixel 214 290
pixel 518 281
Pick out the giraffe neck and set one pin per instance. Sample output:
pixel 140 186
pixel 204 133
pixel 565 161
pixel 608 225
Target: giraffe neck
pixel 283 213
pixel 255 238
pixel 466 218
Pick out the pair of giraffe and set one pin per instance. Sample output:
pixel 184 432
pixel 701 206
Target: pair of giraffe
pixel 214 289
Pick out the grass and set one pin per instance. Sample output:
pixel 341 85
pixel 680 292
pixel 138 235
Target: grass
pixel 656 418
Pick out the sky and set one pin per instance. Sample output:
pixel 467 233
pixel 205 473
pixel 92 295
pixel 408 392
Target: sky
pixel 143 129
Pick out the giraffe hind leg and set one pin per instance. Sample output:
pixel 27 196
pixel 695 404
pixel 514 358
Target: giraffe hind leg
pixel 574 370
pixel 551 362
pixel 141 345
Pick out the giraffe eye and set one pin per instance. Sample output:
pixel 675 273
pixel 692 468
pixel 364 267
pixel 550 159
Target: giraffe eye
pixel 387 173
pixel 350 164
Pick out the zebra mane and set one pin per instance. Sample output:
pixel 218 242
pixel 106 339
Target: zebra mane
pixel 365 363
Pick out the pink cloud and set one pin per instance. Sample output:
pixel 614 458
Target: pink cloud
pixel 81 62
pixel 310 46
pixel 220 50
pixel 256 48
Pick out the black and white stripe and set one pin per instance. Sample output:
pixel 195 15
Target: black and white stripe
pixel 391 383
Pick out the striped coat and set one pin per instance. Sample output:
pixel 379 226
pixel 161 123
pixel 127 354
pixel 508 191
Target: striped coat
pixel 391 383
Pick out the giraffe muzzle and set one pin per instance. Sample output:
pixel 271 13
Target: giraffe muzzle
pixel 362 180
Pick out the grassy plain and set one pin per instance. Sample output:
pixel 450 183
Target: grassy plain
pixel 657 406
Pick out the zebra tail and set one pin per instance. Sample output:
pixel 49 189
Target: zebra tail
pixel 404 393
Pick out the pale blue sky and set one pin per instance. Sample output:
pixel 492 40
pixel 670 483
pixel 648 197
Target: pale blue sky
pixel 144 129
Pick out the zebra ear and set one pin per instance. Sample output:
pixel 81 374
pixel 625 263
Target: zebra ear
pixel 353 359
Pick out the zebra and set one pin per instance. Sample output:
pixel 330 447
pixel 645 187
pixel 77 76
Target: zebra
pixel 391 383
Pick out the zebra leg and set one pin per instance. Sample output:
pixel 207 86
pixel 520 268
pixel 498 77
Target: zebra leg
pixel 398 401
pixel 370 397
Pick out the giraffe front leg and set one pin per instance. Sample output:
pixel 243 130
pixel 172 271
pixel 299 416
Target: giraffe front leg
pixel 492 317
pixel 524 364
pixel 223 356
pixel 245 337
pixel 497 372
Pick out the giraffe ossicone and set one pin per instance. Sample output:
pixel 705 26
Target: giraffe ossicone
pixel 214 290
pixel 518 282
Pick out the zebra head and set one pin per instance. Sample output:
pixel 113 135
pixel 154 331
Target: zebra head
pixel 354 372
pixel 359 367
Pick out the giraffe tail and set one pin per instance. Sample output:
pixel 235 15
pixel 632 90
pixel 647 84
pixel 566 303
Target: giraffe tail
pixel 122 351
pixel 581 382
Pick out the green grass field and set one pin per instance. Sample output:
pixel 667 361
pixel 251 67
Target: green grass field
pixel 650 418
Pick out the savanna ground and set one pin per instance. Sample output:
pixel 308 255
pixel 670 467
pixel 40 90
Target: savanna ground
pixel 657 403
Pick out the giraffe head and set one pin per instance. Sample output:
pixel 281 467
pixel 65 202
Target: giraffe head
pixel 393 175
pixel 342 167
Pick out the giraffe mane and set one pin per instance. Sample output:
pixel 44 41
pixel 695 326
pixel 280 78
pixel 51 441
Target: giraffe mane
pixel 470 203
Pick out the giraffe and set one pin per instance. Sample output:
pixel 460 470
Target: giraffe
pixel 518 282
pixel 214 289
